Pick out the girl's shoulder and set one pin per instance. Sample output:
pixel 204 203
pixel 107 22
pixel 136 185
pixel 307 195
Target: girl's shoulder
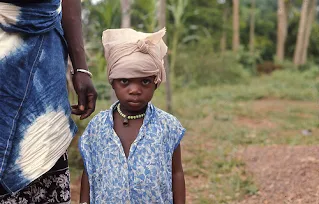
pixel 100 117
pixel 100 120
pixel 103 114
pixel 164 117
pixel 168 127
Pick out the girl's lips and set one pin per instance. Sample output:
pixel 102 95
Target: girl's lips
pixel 134 107
pixel 134 103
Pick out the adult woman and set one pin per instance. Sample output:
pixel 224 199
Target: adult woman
pixel 35 124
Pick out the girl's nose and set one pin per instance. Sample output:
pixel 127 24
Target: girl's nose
pixel 135 89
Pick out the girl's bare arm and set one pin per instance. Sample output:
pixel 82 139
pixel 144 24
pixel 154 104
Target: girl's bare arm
pixel 179 194
pixel 85 188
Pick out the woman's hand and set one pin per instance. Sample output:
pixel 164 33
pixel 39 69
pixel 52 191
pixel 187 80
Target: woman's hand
pixel 72 26
pixel 86 95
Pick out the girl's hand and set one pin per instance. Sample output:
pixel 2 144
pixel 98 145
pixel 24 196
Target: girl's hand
pixel 86 95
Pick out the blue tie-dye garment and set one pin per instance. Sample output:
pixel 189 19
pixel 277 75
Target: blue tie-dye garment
pixel 35 123
pixel 146 175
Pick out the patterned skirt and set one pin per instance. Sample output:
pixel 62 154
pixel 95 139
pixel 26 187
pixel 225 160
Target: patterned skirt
pixel 52 187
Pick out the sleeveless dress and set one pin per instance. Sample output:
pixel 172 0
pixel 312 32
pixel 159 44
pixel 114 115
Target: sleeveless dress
pixel 146 175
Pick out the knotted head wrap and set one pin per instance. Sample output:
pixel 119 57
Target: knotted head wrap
pixel 132 54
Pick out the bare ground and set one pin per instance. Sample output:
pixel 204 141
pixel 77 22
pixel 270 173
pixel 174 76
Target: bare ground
pixel 283 174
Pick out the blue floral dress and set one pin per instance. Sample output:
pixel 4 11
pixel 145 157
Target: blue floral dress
pixel 146 175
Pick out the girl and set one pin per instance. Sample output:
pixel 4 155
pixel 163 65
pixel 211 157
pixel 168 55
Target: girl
pixel 132 152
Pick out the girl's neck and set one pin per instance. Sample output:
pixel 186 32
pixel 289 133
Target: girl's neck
pixel 132 113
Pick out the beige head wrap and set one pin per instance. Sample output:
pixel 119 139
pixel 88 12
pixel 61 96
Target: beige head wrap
pixel 132 54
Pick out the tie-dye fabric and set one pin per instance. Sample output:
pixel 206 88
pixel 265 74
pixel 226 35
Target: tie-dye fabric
pixel 30 18
pixel 35 123
pixel 146 175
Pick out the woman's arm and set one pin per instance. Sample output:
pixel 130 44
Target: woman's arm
pixel 179 194
pixel 85 188
pixel 72 26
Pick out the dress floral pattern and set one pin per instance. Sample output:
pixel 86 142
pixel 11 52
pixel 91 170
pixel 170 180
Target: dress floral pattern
pixel 146 175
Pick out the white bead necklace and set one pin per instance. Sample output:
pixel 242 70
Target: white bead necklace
pixel 130 117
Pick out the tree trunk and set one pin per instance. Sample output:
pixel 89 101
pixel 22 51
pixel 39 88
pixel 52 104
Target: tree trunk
pixel 174 43
pixel 178 9
pixel 252 27
pixel 301 33
pixel 125 23
pixel 310 19
pixel 281 30
pixel 223 42
pixel 236 25
pixel 126 13
pixel 162 24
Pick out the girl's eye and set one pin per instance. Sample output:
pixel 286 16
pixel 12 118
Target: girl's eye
pixel 146 81
pixel 124 81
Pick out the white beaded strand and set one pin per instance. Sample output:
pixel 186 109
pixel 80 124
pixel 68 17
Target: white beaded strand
pixel 130 117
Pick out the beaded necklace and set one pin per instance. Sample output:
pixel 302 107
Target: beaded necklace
pixel 130 117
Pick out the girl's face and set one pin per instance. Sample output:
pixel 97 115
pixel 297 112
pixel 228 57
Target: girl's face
pixel 134 93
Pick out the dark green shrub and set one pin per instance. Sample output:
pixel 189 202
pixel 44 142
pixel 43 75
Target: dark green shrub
pixel 103 90
pixel 197 67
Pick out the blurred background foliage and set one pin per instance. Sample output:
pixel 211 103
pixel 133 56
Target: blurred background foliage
pixel 194 32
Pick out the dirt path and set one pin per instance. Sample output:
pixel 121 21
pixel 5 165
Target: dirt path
pixel 284 174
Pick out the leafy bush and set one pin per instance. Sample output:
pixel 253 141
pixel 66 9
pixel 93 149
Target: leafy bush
pixel 267 67
pixel 311 73
pixel 103 90
pixel 286 64
pixel 249 60
pixel 197 67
